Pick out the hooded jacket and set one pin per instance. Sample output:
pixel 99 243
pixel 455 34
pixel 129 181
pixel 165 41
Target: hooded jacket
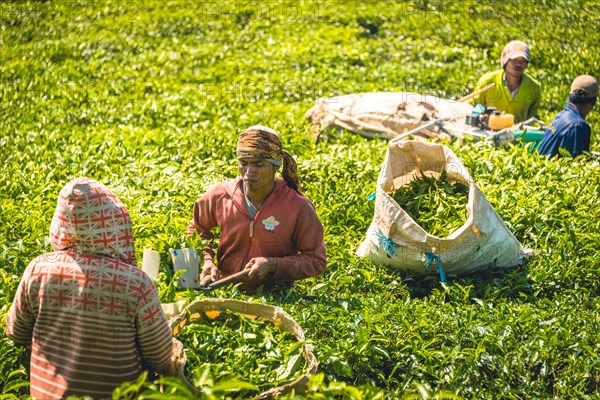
pixel 91 317
pixel 286 228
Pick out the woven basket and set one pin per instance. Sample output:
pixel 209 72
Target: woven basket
pixel 262 312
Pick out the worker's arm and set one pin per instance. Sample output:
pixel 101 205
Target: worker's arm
pixel 311 259
pixel 20 319
pixel 480 97
pixel 535 106
pixel 203 222
pixel 577 139
pixel 153 332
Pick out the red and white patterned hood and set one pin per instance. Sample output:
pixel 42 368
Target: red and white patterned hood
pixel 90 219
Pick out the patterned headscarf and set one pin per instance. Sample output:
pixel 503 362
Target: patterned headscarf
pixel 262 142
pixel 90 219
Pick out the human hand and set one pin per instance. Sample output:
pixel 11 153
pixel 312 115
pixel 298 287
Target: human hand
pixel 210 273
pixel 260 266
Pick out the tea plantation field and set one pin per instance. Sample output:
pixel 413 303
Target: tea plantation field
pixel 148 97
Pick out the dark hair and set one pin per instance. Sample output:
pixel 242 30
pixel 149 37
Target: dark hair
pixel 579 97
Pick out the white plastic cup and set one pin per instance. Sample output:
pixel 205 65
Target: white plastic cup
pixel 151 263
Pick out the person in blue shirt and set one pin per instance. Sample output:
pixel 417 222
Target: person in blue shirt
pixel 568 129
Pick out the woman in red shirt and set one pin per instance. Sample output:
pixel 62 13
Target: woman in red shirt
pixel 266 225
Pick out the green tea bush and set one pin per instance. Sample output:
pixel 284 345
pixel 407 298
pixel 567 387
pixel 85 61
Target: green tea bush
pixel 149 97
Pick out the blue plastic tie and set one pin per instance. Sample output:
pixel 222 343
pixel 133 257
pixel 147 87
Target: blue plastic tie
pixel 387 244
pixel 430 257
pixel 371 196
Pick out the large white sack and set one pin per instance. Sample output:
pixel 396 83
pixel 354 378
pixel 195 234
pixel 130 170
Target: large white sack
pixel 386 114
pixel 396 240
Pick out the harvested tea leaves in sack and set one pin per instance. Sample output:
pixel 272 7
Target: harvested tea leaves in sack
pixel 435 212
pixel 439 206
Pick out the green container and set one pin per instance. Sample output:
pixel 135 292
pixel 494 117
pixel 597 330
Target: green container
pixel 529 136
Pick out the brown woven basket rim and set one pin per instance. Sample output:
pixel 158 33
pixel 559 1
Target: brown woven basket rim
pixel 266 312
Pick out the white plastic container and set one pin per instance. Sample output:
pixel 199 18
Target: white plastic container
pixel 151 263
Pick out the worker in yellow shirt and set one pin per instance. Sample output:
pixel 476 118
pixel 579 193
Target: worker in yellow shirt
pixel 514 91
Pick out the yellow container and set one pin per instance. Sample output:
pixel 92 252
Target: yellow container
pixel 501 121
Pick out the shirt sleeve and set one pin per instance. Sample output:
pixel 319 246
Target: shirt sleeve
pixel 535 105
pixel 311 259
pixel 20 319
pixel 203 222
pixel 153 333
pixel 479 98
pixel 577 139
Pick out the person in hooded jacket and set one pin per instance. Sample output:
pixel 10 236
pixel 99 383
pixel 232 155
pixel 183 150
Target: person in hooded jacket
pixel 91 318
pixel 266 225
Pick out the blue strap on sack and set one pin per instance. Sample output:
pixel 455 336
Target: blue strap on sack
pixel 430 258
pixel 388 245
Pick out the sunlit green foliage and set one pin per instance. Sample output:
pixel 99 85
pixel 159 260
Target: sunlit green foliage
pixel 148 97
